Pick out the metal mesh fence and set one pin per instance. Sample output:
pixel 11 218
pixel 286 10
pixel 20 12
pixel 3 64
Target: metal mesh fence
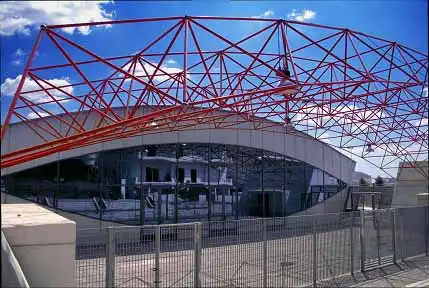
pixel 91 257
pixel 378 238
pixel 412 225
pixel 264 252
pixel 232 253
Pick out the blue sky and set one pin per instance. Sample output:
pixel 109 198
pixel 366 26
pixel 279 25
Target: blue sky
pixel 403 21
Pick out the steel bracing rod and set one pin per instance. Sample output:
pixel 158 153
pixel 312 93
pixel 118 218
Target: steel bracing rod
pixel 139 101
pixel 54 133
pixel 235 75
pixel 257 56
pixel 121 124
pixel 375 51
pixel 53 149
pixel 30 105
pixel 341 115
pixel 390 140
pixel 70 140
pixel 101 80
pixel 92 108
pixel 123 135
pixel 288 51
pixel 145 93
pixel 315 42
pixel 171 76
pixel 153 88
pixel 199 84
pixel 385 95
pixel 35 79
pixel 288 22
pixel 102 87
pixel 207 71
pixel 141 54
pixel 321 47
pixel 131 69
pixel 234 45
pixel 375 110
pixel 307 96
pixel 253 74
pixel 268 102
pixel 20 85
pixel 25 121
pixel 80 72
pixel 115 93
pixel 101 23
pixel 406 62
pixel 142 51
pixel 185 59
pixel 193 89
pixel 212 73
pixel 409 54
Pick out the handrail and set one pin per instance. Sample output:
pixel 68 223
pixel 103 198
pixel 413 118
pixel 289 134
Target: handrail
pixel 9 261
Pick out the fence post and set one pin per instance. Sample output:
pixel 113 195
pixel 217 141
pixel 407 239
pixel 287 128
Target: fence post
pixel 197 254
pixel 362 240
pixel 427 230
pixel 377 230
pixel 352 250
pixel 110 257
pixel 265 236
pixel 314 253
pixel 157 252
pixel 401 234
pixel 394 234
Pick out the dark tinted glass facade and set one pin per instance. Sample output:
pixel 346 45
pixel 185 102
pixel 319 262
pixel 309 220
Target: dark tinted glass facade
pixel 178 182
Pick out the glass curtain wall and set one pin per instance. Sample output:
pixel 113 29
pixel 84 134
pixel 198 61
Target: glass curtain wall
pixel 176 182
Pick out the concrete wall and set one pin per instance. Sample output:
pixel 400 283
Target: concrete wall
pixel 43 243
pixel 409 183
pixel 297 146
pixel 81 221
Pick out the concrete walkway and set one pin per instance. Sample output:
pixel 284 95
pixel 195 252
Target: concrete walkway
pixel 411 273
pixel 412 277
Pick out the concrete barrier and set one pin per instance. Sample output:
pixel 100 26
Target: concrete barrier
pixel 43 243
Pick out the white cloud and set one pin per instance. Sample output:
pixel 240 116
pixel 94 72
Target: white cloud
pixel 17 62
pixel 17 17
pixel 302 16
pixel 421 122
pixel 150 69
pixel 342 114
pixel 171 61
pixel 266 14
pixel 9 86
pixel 18 57
pixel 33 115
pixel 19 52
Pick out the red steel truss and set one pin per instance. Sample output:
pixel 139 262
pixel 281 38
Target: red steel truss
pixel 361 94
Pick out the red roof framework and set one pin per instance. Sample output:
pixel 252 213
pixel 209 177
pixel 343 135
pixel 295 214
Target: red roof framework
pixel 362 94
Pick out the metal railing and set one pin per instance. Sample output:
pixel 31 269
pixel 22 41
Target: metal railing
pixel 265 252
pixel 12 275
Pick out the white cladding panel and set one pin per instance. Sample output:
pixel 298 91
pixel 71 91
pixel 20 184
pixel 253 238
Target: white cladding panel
pixel 306 149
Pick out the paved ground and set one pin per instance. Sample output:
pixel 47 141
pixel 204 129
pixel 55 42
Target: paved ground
pixel 413 273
